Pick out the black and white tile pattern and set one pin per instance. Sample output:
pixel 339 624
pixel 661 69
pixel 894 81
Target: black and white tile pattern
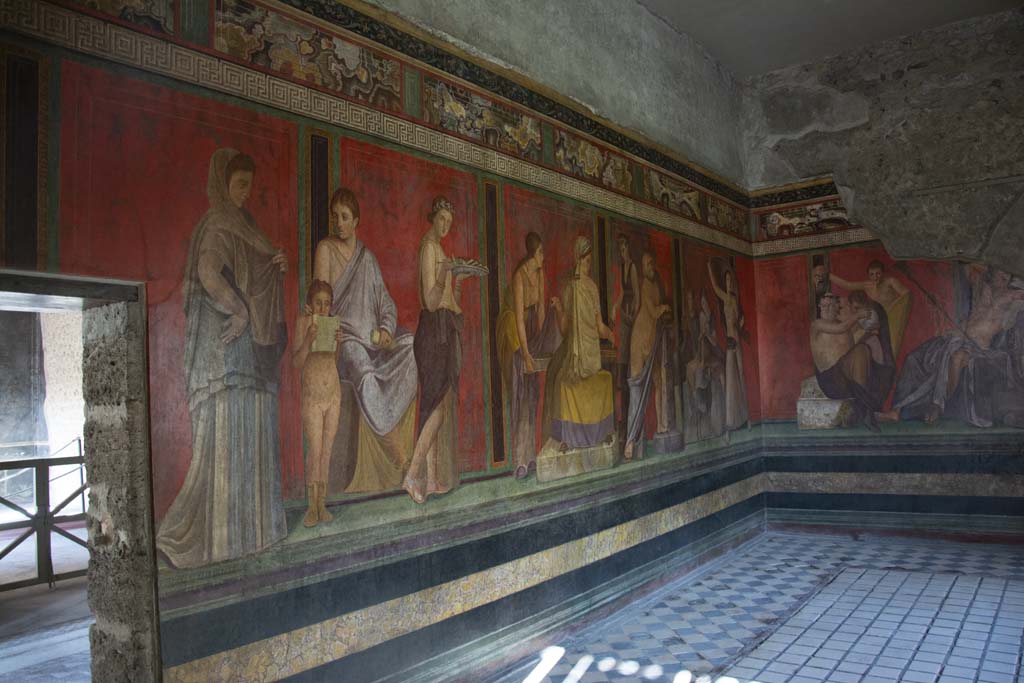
pixel 767 604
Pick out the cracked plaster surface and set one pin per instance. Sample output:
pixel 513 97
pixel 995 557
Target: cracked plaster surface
pixel 923 134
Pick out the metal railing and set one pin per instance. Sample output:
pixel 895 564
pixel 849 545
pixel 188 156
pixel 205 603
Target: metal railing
pixel 45 521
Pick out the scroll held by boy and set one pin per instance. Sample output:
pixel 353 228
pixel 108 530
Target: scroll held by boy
pixel 326 332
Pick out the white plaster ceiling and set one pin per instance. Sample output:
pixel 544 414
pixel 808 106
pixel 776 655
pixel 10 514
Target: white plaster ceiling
pixel 751 37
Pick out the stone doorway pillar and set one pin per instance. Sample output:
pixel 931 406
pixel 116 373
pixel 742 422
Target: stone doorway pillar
pixel 124 641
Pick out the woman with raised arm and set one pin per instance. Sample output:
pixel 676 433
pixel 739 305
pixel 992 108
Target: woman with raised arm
pixel 736 413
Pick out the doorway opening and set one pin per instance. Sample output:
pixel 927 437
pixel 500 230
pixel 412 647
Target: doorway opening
pixel 46 548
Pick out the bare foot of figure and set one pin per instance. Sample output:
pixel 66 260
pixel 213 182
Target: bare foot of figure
pixel 563 447
pixel 932 416
pixel 413 489
pixel 888 416
pixel 521 472
pixel 627 452
pixel 312 515
pixel 321 506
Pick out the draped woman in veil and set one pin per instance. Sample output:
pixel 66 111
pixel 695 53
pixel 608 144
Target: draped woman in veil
pixel 230 504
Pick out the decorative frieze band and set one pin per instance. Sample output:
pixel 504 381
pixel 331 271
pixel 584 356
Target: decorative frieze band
pixel 93 36
pixel 818 241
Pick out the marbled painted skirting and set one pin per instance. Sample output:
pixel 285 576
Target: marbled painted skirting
pixel 904 484
pixel 304 648
pixel 308 647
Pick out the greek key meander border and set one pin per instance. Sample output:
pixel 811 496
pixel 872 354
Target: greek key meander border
pixel 96 37
pixel 823 240
pixel 93 36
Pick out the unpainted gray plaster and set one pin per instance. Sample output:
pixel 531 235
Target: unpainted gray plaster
pixel 756 36
pixel 924 135
pixel 612 56
pixel 122 569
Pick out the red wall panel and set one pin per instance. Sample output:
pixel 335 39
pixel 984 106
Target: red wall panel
pixel 641 238
pixel 395 191
pixel 134 164
pixel 696 257
pixel 559 224
pixel 784 351
pixel 784 314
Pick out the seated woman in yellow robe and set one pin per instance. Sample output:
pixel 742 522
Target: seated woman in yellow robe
pixel 578 405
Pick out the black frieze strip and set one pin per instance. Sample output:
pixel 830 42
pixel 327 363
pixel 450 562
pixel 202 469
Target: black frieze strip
pixel 319 190
pixel 493 293
pixel 20 238
pixel 962 463
pixel 948 505
pixel 602 261
pixel 198 635
pixel 677 287
pixel 802 194
pixel 412 648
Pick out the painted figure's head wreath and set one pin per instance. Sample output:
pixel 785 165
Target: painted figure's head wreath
pixel 438 204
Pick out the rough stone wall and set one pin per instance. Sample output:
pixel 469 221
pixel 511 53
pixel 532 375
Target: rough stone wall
pixel 924 134
pixel 122 570
pixel 613 56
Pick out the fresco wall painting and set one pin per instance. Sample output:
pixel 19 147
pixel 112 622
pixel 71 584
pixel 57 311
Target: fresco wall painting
pixel 860 340
pixel 143 228
pixel 539 264
pixel 286 42
pixel 578 157
pixel 158 16
pixel 462 111
pixel 806 218
pixel 719 342
pixel 673 195
pixel 269 39
pixel 643 289
pixel 440 326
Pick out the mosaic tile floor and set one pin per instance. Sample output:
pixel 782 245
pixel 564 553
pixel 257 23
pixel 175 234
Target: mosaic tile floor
pixel 727 618
pixel 877 625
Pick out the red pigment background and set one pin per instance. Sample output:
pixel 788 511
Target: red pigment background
pixel 131 194
pixel 695 279
pixel 395 191
pixel 641 238
pixel 559 224
pixel 784 311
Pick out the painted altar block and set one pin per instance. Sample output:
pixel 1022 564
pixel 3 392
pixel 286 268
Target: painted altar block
pixel 668 442
pixel 553 464
pixel 815 410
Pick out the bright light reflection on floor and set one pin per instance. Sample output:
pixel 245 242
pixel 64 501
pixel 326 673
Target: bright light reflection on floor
pixel 550 656
pixel 581 667
pixel 653 672
pixel 629 667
